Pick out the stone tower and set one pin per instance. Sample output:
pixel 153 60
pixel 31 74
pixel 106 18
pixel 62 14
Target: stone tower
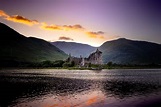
pixel 96 57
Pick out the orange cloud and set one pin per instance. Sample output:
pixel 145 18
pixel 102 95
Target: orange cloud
pixel 3 14
pixel 44 26
pixel 65 38
pixel 21 19
pixel 98 34
pixel 59 27
pixel 74 27
pixel 53 27
pixel 18 19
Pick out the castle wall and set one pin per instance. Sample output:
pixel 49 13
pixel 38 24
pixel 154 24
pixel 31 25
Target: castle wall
pixel 94 58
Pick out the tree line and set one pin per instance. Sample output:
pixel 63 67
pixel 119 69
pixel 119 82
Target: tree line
pixel 64 64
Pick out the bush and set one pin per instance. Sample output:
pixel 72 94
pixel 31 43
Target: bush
pixel 47 64
pixel 109 64
pixel 58 63
pixel 69 64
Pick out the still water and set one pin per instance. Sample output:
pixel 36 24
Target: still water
pixel 80 88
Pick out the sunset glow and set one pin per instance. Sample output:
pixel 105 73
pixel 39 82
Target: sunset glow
pixel 85 21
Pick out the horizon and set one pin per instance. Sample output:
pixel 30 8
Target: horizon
pixel 108 41
pixel 88 22
pixel 86 43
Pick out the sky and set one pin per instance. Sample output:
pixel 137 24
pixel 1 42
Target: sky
pixel 84 21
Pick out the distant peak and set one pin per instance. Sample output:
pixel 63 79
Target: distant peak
pixel 122 39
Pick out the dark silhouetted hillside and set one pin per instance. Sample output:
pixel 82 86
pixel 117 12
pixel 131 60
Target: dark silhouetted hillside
pixel 124 51
pixel 16 47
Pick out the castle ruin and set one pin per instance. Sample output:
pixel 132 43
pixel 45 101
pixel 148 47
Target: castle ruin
pixel 94 58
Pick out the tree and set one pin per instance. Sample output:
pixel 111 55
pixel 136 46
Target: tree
pixel 47 64
pixel 72 64
pixel 58 63
pixel 109 64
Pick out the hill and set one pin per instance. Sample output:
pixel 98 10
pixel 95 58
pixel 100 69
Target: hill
pixel 15 47
pixel 124 51
pixel 75 49
pixel 18 48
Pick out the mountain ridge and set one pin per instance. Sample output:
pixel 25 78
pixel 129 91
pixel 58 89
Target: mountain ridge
pixel 120 51
pixel 124 51
pixel 75 49
pixel 16 47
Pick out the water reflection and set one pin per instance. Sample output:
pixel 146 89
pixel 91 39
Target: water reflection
pixel 124 89
pixel 75 88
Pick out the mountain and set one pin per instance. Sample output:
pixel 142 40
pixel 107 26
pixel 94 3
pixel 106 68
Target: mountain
pixel 124 51
pixel 75 49
pixel 16 47
pixel 120 51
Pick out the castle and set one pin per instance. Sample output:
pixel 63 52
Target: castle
pixel 94 58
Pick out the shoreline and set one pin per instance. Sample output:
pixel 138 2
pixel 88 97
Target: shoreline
pixel 76 68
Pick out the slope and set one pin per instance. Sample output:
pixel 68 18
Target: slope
pixel 124 51
pixel 75 49
pixel 16 47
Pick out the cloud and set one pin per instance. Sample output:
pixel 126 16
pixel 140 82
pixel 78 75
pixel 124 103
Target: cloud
pixel 3 14
pixel 98 34
pixel 18 19
pixel 77 27
pixel 59 27
pixel 74 27
pixel 21 19
pixel 53 27
pixel 65 38
pixel 44 26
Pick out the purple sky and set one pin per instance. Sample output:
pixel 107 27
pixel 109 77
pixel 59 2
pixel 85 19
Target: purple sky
pixel 133 19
